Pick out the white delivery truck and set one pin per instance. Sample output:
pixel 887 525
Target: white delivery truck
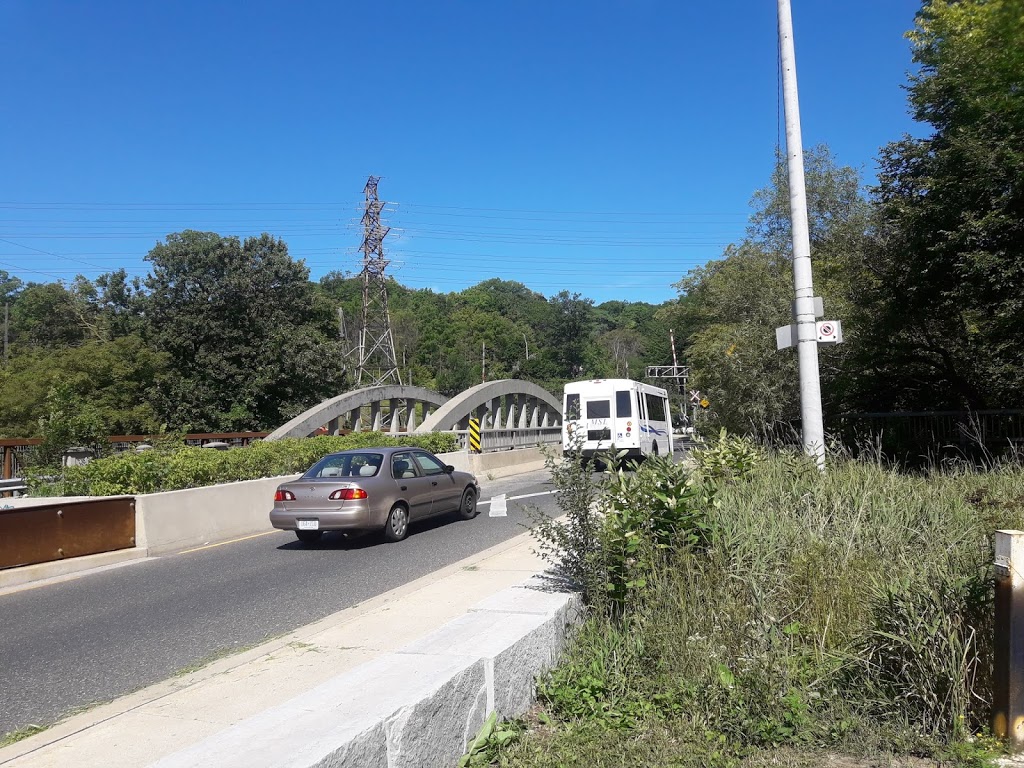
pixel 601 415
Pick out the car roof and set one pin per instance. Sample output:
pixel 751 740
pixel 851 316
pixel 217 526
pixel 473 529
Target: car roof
pixel 378 449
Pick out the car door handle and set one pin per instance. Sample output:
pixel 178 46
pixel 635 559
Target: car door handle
pixel 434 482
pixel 405 488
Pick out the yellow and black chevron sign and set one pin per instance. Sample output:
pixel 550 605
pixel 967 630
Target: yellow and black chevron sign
pixel 474 435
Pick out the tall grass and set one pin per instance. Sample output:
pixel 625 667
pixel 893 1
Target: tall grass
pixel 848 611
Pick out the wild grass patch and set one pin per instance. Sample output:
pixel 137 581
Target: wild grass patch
pixel 750 605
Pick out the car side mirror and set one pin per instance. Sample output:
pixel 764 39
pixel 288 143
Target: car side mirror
pixel 448 468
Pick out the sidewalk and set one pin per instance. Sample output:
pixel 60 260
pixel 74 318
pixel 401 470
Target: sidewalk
pixel 140 728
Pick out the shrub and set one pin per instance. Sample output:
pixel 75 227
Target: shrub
pixel 658 508
pixel 174 467
pixel 571 545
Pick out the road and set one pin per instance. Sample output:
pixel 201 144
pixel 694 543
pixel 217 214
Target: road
pixel 67 645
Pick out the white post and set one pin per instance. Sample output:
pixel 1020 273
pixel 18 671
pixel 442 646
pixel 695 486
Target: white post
pixel 807 335
pixel 1008 641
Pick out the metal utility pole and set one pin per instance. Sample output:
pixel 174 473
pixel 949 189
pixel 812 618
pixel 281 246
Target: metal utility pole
pixel 804 306
pixel 7 322
pixel 377 363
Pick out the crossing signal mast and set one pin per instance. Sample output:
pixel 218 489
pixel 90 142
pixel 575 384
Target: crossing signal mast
pixel 377 361
pixel 680 374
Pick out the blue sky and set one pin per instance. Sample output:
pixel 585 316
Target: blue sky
pixel 586 145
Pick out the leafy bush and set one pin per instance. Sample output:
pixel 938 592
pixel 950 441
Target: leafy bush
pixel 169 468
pixel 660 507
pixel 731 456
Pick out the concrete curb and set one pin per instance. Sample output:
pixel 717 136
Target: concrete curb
pixel 39 574
pixel 419 706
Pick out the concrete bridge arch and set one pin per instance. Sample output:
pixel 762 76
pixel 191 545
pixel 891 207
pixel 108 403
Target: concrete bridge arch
pixel 502 404
pixel 351 408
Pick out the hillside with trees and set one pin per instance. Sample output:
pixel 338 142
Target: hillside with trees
pixel 227 335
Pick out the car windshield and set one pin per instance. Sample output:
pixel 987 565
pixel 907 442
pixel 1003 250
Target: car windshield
pixel 346 465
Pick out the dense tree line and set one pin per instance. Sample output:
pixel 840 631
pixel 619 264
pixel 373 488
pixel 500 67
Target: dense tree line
pixel 226 334
pixel 924 268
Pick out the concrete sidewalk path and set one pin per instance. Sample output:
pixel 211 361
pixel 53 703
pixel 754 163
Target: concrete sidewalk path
pixel 140 728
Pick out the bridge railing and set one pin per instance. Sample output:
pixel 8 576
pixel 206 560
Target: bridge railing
pixel 507 439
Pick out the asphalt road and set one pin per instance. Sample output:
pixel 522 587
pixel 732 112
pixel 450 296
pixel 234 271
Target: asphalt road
pixel 66 645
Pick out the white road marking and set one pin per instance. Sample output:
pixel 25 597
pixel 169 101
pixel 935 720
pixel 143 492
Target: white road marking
pixel 499 506
pixel 524 496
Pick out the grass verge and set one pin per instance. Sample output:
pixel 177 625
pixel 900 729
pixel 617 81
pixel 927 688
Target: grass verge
pixel 752 611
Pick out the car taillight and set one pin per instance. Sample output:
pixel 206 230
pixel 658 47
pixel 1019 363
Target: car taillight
pixel 283 495
pixel 347 494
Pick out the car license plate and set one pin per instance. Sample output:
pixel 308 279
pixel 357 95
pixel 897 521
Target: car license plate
pixel 309 525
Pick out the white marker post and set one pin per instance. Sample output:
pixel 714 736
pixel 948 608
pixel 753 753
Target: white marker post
pixel 1008 650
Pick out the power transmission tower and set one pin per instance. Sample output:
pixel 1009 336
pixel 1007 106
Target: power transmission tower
pixel 377 362
pixel 347 348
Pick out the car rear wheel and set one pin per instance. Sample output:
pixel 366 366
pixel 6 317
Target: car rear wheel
pixel 397 526
pixel 467 509
pixel 308 537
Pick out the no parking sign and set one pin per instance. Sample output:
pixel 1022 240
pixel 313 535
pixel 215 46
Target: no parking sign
pixel 830 332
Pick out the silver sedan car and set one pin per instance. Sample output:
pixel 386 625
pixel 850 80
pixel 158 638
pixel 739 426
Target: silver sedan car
pixel 373 489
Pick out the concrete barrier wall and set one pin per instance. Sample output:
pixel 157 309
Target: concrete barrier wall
pixel 490 466
pixel 174 520
pixel 416 708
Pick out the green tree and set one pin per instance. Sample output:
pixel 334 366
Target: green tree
pixel 734 306
pixel 942 291
pixel 69 421
pixel 10 287
pixel 624 349
pixel 731 307
pixel 249 342
pixel 569 342
pixel 116 380
pixel 44 315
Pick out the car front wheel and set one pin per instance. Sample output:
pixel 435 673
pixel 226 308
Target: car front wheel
pixel 467 509
pixel 397 526
pixel 308 537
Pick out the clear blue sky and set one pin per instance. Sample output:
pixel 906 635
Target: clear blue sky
pixel 587 145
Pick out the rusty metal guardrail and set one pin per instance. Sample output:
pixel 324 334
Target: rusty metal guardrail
pixel 47 532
